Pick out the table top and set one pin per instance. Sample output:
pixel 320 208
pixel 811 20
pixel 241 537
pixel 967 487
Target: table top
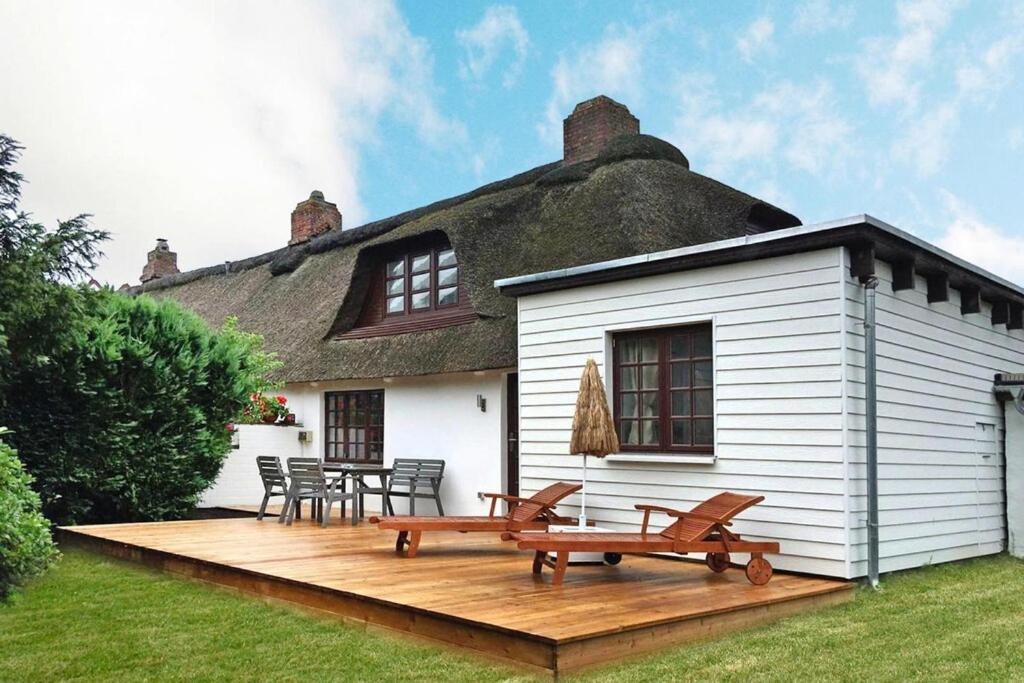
pixel 356 468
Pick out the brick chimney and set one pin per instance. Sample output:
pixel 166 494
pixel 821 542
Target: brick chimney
pixel 313 217
pixel 592 124
pixel 160 262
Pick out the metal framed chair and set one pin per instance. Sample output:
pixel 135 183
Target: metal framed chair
pixel 419 478
pixel 274 481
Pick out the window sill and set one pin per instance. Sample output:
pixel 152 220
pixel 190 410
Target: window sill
pixel 680 458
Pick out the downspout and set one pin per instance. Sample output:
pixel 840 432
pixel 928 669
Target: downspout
pixel 871 414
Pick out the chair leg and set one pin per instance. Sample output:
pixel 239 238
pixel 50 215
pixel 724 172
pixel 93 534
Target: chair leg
pixel 298 508
pixel 412 501
pixel 293 511
pixel 436 485
pixel 414 543
pixel 538 561
pixel 560 565
pixel 263 507
pixel 284 510
pixel 327 514
pixel 387 503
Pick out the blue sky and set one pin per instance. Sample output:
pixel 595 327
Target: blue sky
pixel 912 111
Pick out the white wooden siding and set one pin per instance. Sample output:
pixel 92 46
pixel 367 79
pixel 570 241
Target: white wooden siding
pixel 778 397
pixel 940 499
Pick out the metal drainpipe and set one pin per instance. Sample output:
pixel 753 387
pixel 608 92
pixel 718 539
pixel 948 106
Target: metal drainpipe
pixel 871 412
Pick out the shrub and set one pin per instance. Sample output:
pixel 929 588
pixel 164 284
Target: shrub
pixel 26 547
pixel 128 422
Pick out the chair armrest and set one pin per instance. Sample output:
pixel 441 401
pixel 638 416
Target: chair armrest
pixel 657 508
pixel 697 515
pixel 495 497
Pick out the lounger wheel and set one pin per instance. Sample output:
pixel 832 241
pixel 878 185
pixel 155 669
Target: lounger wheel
pixel 717 562
pixel 612 558
pixel 759 571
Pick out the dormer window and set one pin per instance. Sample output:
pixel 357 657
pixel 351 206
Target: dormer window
pixel 421 281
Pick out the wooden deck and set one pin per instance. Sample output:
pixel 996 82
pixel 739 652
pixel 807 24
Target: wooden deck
pixel 471 590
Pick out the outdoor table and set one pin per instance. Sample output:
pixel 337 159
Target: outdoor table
pixel 357 471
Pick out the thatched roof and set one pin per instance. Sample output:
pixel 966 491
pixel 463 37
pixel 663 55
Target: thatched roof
pixel 639 196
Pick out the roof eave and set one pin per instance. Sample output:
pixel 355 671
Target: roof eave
pixel 861 231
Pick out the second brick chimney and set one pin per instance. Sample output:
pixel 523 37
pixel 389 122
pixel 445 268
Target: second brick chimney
pixel 160 262
pixel 313 217
pixel 592 124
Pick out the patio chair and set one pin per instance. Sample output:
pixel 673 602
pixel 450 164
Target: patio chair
pixel 274 481
pixel 308 482
pixel 524 514
pixel 701 530
pixel 416 475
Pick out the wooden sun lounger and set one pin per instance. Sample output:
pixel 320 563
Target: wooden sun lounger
pixel 701 530
pixel 525 514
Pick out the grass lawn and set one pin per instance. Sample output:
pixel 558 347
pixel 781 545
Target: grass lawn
pixel 92 618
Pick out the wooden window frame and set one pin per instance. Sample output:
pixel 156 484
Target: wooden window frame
pixel 434 289
pixel 342 425
pixel 664 389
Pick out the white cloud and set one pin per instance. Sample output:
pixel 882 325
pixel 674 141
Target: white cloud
pixel 798 125
pixel 756 39
pixel 926 141
pixel 821 16
pixel 970 238
pixel 205 122
pixel 500 26
pixel 610 67
pixel 892 68
pixel 992 70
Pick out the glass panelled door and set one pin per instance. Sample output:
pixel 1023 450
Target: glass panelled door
pixel 354 424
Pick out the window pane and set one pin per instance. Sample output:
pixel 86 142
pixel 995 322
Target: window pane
pixel 447 296
pixel 680 374
pixel 703 404
pixel 396 304
pixel 396 286
pixel 420 263
pixel 702 344
pixel 649 349
pixel 420 282
pixel 649 404
pixel 649 376
pixel 421 300
pixel 627 378
pixel 681 433
pixel 629 432
pixel 650 433
pixel 447 277
pixel 627 350
pixel 627 405
pixel 446 258
pixel 703 432
pixel 702 375
pixel 396 268
pixel 680 402
pixel 680 346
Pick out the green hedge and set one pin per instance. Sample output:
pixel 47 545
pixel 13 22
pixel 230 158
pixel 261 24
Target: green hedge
pixel 26 547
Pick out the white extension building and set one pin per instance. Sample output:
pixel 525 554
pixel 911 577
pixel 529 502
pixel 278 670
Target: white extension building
pixel 783 379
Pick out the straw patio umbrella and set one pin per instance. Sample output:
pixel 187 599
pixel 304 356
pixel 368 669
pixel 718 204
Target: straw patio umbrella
pixel 593 429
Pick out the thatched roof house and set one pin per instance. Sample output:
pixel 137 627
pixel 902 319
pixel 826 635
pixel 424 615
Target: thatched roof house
pixel 609 198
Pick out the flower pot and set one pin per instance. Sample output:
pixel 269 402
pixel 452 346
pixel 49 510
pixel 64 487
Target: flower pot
pixel 289 419
pixel 269 419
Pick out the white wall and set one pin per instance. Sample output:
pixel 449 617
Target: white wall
pixel 778 397
pixel 424 417
pixel 1014 457
pixel 239 481
pixel 940 497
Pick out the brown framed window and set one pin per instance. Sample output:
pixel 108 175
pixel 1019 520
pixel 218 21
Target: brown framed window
pixel 354 426
pixel 421 281
pixel 663 389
